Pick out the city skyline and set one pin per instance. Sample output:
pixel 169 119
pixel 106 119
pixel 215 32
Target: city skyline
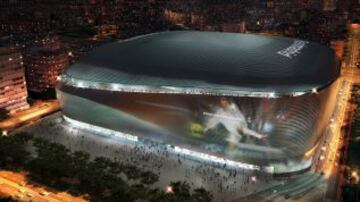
pixel 179 100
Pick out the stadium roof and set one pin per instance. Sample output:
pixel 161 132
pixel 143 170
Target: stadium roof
pixel 210 62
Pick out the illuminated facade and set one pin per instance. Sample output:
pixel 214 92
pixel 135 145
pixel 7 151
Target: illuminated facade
pixel 13 92
pixel 329 5
pixel 45 64
pixel 210 94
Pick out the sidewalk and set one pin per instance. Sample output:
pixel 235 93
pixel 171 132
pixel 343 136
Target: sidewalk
pixel 35 112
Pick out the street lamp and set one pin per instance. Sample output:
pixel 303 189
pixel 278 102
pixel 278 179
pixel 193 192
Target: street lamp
pixel 4 133
pixel 169 190
pixel 314 90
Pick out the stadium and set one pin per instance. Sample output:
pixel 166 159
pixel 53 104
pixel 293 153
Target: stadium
pixel 261 101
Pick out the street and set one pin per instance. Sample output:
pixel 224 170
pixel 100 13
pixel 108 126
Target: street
pixel 16 185
pixel 35 112
pixel 323 182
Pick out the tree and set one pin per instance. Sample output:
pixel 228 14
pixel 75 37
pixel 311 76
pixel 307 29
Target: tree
pixel 201 195
pixel 12 150
pixel 4 114
pixel 8 199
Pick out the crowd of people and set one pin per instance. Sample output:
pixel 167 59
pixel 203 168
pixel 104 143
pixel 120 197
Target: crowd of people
pixel 225 182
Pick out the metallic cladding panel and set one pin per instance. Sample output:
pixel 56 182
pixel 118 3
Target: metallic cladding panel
pixel 186 59
pixel 254 130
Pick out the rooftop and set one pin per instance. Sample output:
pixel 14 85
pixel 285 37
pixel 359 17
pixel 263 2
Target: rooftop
pixel 226 63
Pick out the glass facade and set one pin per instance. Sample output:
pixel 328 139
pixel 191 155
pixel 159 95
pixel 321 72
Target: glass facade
pixel 261 131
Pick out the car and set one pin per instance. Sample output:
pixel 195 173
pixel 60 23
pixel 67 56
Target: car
pixel 28 194
pixel 44 193
pixel 22 184
pixel 18 197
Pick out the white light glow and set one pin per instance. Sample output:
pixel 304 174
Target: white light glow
pixel 298 94
pixel 176 149
pixel 101 130
pixel 272 95
pixel 215 159
pixel 81 84
pixel 67 80
pixel 4 133
pixel 169 190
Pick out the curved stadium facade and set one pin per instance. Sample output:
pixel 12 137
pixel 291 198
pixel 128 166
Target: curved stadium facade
pixel 260 100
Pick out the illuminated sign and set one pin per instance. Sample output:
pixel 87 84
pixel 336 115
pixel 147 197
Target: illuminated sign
pixel 294 49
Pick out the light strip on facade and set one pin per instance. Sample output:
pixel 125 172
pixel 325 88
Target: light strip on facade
pixel 175 149
pixel 101 130
pixel 166 89
pixel 215 159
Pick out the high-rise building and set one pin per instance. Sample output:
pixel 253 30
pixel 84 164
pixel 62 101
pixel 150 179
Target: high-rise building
pixel 338 46
pixel 13 94
pixel 44 64
pixel 329 5
pixel 214 99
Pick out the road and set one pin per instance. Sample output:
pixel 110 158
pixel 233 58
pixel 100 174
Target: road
pixel 330 150
pixel 324 179
pixel 327 159
pixel 313 185
pixel 320 184
pixel 352 73
pixel 16 185
pixel 328 154
pixel 197 173
pixel 35 112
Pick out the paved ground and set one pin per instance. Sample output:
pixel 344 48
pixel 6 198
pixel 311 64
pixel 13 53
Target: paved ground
pixel 226 184
pixel 35 112
pixel 312 186
pixel 16 185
